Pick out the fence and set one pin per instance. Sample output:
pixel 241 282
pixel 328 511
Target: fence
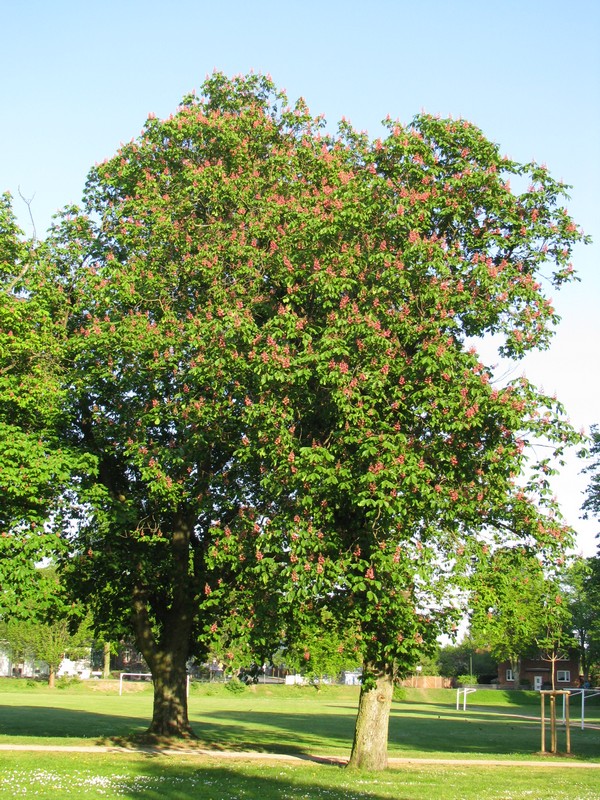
pixel 427 682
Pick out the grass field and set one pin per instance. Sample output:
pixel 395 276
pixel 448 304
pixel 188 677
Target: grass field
pixel 297 721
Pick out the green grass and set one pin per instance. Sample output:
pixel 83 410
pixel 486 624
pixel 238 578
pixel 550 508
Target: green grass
pixel 83 777
pixel 294 720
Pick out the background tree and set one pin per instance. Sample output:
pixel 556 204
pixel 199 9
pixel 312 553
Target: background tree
pixel 592 501
pixel 50 641
pixel 587 612
pixel 319 649
pixel 48 627
pixel 505 607
pixel 35 465
pixel 466 658
pixel 582 594
pixel 61 638
pixel 555 639
pixel 15 635
pixel 519 609
pixel 430 664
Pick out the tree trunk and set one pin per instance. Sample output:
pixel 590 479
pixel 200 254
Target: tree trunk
pixel 106 666
pixel 166 647
pixel 168 664
pixel 170 709
pixel 52 678
pixel 369 750
pixel 516 668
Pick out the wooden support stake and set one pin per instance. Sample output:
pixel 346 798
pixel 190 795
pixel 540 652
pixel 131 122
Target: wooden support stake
pixel 543 696
pixel 568 724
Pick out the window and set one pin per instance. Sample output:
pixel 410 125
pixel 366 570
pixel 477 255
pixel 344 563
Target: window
pixel 563 675
pixel 509 675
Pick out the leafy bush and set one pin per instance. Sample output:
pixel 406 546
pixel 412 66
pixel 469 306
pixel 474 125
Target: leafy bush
pixel 467 680
pixel 67 680
pixel 235 686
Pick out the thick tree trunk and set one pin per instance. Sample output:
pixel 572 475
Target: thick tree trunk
pixel 52 678
pixel 170 710
pixel 369 750
pixel 168 665
pixel 167 649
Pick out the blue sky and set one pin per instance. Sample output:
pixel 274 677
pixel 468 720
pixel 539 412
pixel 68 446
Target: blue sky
pixel 79 78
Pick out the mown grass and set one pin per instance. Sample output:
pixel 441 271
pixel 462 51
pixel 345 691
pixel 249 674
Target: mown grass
pixel 83 777
pixel 295 720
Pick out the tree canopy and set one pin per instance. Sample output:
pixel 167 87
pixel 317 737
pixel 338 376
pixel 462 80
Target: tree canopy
pixel 271 340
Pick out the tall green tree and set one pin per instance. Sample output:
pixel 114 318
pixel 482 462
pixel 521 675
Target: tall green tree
pixel 586 578
pixel 35 465
pixel 519 608
pixel 46 625
pixel 582 594
pixel 591 506
pixel 271 338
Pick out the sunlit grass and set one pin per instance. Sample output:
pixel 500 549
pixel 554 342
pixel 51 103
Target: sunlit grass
pixel 75 777
pixel 299 722
pixel 296 720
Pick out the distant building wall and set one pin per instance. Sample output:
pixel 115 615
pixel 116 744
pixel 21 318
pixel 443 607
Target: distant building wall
pixel 536 673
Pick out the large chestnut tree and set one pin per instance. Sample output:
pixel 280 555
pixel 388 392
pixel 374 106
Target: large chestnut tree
pixel 273 358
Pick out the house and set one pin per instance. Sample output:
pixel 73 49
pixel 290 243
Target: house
pixel 536 673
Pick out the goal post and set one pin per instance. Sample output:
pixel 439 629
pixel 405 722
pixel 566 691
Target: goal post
pixel 131 675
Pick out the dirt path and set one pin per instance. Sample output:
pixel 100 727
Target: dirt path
pixel 549 762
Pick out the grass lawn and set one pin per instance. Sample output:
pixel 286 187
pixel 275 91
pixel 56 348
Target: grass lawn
pixel 76 776
pixel 293 720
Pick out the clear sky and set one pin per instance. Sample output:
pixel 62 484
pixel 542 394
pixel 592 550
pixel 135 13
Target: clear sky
pixel 79 78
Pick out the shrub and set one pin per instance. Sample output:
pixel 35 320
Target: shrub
pixel 467 680
pixel 235 686
pixel 67 680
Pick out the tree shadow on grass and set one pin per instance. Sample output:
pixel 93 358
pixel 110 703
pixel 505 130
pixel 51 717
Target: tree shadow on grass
pixel 465 734
pixel 275 732
pixel 53 722
pixel 239 730
pixel 161 780
pixel 411 732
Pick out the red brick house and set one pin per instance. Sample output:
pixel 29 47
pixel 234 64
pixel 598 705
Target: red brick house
pixel 536 673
